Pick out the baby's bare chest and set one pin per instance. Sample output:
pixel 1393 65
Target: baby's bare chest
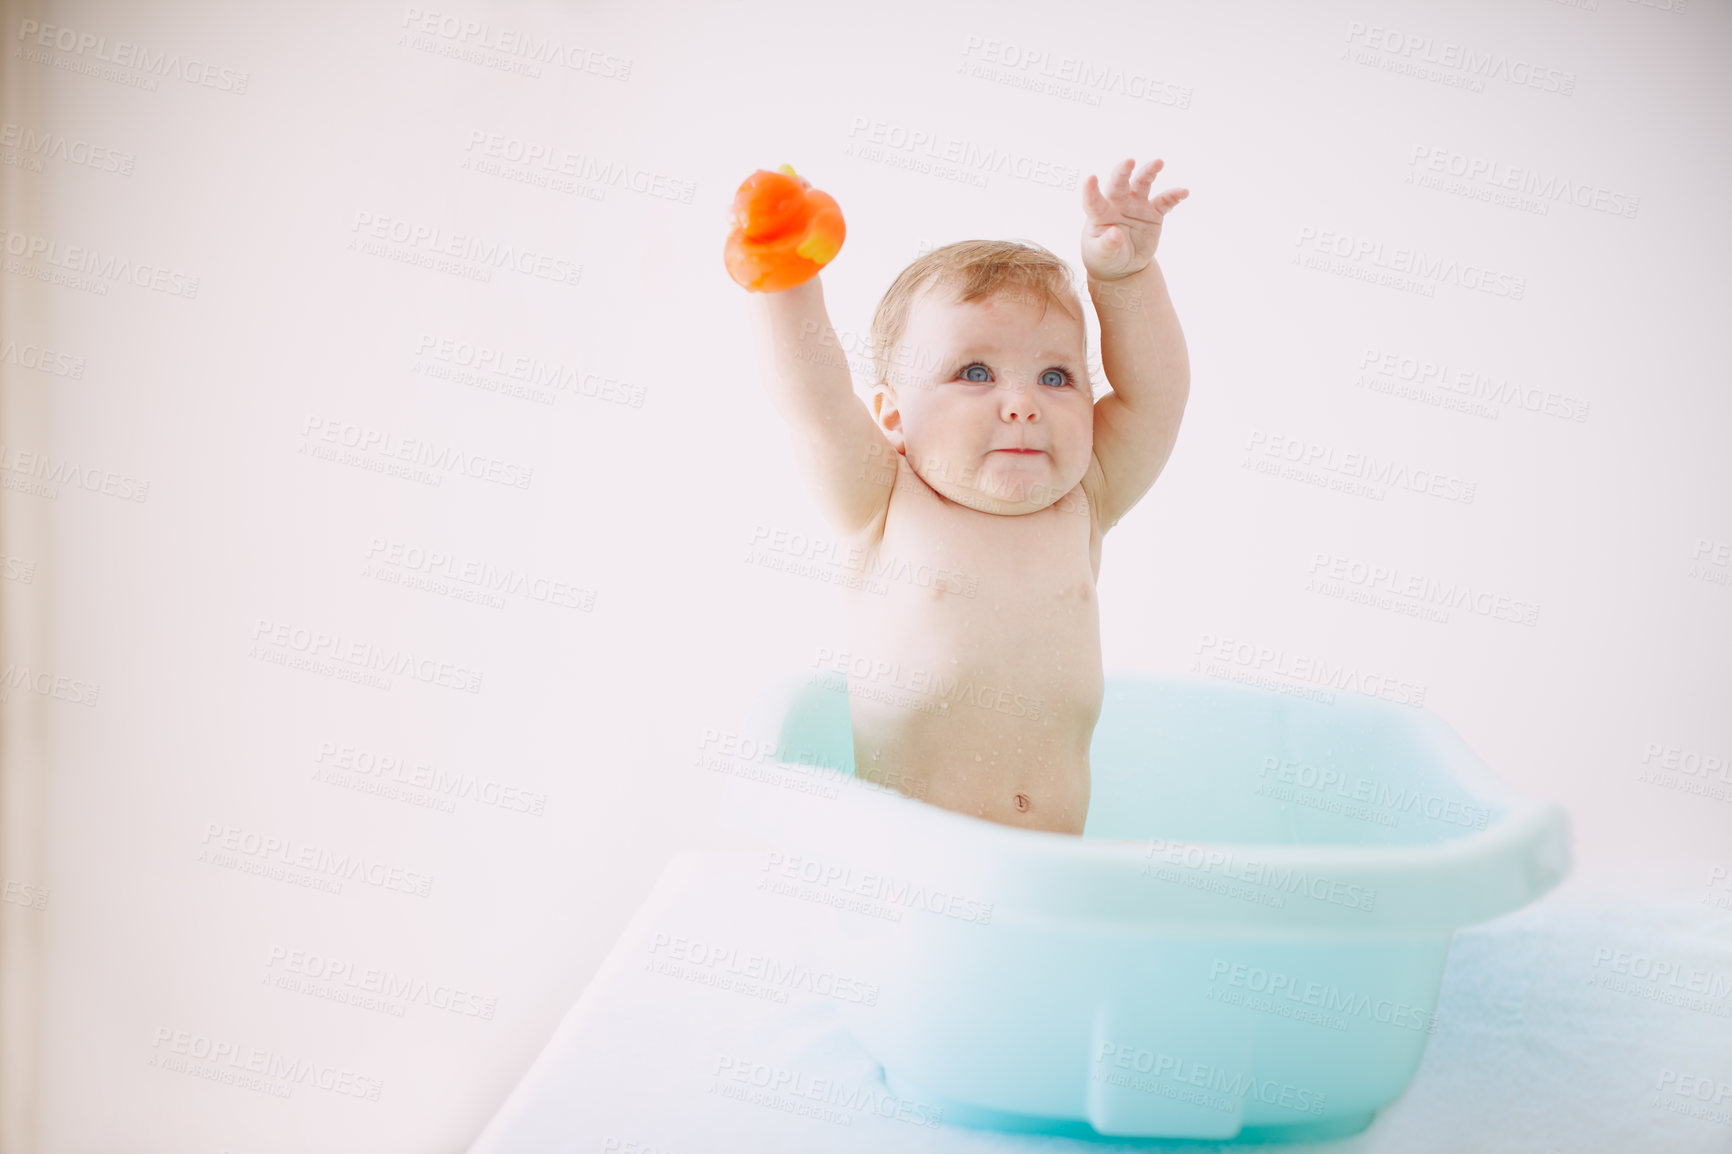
pixel 951 590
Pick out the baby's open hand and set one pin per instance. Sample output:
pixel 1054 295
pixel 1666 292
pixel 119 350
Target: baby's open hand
pixel 1124 222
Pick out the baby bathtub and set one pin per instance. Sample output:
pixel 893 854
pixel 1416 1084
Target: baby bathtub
pixel 1247 941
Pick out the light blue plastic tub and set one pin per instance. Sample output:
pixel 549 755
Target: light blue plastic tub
pixel 1247 941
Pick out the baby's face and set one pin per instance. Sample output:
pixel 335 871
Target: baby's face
pixel 973 380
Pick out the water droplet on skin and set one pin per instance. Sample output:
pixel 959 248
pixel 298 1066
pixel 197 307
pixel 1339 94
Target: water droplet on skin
pixel 977 757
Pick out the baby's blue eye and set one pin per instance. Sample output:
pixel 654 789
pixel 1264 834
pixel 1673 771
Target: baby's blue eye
pixel 1047 378
pixel 971 368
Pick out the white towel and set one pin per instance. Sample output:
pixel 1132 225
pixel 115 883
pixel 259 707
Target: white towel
pixel 1597 1021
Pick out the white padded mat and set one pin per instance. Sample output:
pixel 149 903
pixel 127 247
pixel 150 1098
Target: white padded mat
pixel 1597 1020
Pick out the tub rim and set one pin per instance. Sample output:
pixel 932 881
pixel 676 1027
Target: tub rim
pixel 1420 888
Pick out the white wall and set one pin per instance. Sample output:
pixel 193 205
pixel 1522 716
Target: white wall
pixel 1280 120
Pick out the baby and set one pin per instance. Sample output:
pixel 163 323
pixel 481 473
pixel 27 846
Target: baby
pixel 986 456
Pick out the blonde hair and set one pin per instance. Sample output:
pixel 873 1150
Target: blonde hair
pixel 973 269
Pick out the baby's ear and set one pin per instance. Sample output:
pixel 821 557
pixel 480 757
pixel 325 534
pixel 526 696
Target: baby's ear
pixel 879 397
pixel 887 417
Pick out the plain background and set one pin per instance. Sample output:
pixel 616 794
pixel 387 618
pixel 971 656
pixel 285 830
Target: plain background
pixel 662 496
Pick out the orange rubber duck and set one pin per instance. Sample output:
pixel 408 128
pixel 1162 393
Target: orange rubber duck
pixel 784 231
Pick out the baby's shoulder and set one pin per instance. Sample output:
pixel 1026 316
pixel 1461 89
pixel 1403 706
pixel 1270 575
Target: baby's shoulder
pixel 1089 497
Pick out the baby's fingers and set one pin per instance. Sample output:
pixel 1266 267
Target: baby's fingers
pixel 1165 202
pixel 1146 177
pixel 1094 202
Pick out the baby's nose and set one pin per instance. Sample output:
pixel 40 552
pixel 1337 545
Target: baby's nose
pixel 1019 401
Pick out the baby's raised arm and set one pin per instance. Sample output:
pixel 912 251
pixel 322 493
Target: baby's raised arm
pixel 1142 347
pixel 842 450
